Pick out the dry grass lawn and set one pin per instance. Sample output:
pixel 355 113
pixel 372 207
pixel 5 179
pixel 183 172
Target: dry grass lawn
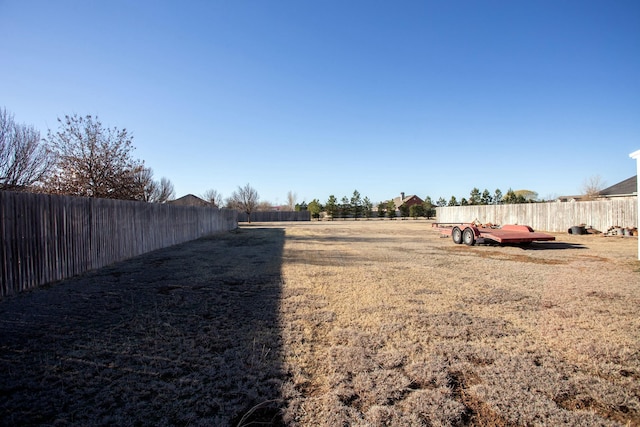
pixel 360 323
pixel 386 323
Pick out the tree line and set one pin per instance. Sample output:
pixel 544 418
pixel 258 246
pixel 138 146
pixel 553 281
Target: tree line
pixel 358 207
pixel 487 198
pixel 348 207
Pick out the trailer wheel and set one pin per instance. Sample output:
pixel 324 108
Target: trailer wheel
pixel 468 237
pixel 456 235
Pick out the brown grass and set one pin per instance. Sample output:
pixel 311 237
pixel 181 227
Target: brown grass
pixel 419 331
pixel 333 323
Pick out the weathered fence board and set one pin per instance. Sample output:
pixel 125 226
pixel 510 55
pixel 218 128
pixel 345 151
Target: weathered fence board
pixel 551 216
pixel 45 238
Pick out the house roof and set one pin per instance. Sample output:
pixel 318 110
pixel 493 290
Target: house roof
pixel 190 200
pixel 624 188
pixel 399 201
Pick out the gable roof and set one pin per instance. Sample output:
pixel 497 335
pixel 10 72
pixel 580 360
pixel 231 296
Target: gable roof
pixel 624 188
pixel 399 201
pixel 190 200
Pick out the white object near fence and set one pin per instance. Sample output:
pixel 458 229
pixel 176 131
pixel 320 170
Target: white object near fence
pixel 636 155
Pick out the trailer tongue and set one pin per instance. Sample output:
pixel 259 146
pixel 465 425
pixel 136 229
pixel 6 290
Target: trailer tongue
pixel 471 233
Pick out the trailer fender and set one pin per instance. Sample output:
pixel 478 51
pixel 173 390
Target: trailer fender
pixel 515 227
pixel 474 229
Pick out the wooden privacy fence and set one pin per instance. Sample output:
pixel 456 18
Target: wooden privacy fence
pixel 274 216
pixel 550 216
pixel 45 238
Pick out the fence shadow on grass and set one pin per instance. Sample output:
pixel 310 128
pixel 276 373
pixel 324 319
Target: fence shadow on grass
pixel 184 335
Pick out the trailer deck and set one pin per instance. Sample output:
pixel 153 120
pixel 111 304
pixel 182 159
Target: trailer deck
pixel 471 233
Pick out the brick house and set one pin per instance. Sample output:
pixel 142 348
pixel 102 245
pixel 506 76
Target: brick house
pixel 407 201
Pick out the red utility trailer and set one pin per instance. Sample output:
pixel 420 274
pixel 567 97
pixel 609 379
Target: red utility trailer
pixel 471 233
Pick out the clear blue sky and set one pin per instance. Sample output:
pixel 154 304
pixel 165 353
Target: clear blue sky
pixel 324 97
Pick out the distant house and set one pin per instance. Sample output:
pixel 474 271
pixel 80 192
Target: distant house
pixel 570 198
pixel 407 201
pixel 190 200
pixel 626 188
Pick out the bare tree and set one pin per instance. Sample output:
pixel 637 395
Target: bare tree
pixel 94 161
pixel 291 200
pixel 144 179
pixel 245 199
pixel 24 158
pixel 212 196
pixel 264 206
pixel 166 191
pixel 155 191
pixel 592 186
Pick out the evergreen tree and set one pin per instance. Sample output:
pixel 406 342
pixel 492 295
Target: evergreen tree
pixel 474 197
pixel 416 210
pixel 315 208
pixel 453 201
pixel 486 198
pixel 367 208
pixel 497 197
pixel 356 204
pixel 428 207
pixel 345 207
pixel 510 197
pixel 404 211
pixel 331 207
pixel 391 209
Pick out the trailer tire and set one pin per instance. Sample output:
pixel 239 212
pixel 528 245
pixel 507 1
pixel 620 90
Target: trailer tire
pixel 456 235
pixel 468 237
